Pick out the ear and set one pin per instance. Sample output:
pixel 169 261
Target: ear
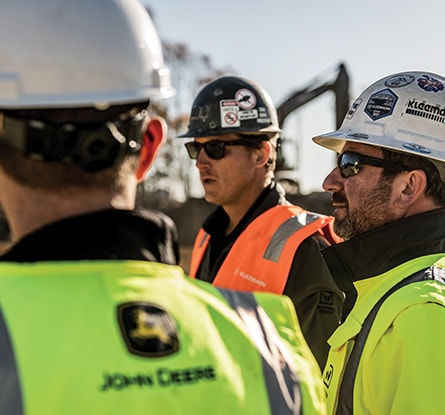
pixel 263 154
pixel 154 136
pixel 410 187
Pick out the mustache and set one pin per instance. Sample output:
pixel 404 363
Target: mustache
pixel 338 198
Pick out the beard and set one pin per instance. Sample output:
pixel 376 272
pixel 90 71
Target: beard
pixel 373 210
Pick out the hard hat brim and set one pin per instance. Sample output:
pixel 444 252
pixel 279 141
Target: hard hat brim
pixel 404 143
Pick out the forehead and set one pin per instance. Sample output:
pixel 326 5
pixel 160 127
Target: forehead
pixel 362 149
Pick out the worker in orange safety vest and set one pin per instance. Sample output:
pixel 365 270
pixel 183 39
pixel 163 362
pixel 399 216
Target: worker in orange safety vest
pixel 256 240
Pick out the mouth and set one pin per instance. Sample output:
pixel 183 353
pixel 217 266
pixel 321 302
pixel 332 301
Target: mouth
pixel 338 202
pixel 339 205
pixel 207 180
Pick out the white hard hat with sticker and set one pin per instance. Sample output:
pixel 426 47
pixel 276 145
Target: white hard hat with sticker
pixel 404 112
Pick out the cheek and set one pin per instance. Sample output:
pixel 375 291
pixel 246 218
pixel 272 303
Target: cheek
pixel 358 189
pixel 236 173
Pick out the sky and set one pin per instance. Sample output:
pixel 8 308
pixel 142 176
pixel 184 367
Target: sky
pixel 286 44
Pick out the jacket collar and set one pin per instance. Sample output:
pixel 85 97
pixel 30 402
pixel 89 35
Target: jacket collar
pixel 215 224
pixel 109 234
pixel 383 248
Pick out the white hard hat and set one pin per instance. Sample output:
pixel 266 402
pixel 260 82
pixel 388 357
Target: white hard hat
pixel 404 112
pixel 79 53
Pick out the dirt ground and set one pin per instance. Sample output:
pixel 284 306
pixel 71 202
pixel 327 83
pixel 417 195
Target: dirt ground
pixel 185 254
pixel 3 246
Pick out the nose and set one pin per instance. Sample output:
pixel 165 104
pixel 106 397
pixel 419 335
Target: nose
pixel 333 182
pixel 202 159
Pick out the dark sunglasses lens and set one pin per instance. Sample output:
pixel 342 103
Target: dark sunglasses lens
pixel 348 163
pixel 193 149
pixel 215 149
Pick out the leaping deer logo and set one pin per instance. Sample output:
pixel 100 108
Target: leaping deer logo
pixel 148 329
pixel 149 326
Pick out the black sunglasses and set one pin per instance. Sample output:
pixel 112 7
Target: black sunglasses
pixel 349 163
pixel 215 149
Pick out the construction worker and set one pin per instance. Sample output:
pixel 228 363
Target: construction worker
pixel 95 318
pixel 255 240
pixel 388 191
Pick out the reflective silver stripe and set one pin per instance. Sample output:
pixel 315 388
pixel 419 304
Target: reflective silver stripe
pixel 10 394
pixel 281 379
pixel 438 274
pixel 284 232
pixel 204 238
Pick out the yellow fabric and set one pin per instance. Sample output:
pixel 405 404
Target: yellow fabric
pixel 401 363
pixel 73 359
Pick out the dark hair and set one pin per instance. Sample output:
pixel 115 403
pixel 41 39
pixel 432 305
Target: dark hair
pixel 435 185
pixel 256 141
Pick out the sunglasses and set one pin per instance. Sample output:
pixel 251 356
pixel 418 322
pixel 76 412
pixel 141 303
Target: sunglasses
pixel 215 149
pixel 349 163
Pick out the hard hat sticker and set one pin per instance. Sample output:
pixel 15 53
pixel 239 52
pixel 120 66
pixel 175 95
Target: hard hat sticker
pixel 353 108
pixel 245 98
pixel 429 84
pixel 423 109
pixel 381 104
pixel 399 81
pixel 263 116
pixel 229 113
pixel 417 148
pixel 248 115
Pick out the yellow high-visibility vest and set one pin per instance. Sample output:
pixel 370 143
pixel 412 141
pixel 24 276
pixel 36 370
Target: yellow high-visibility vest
pixel 400 360
pixel 133 337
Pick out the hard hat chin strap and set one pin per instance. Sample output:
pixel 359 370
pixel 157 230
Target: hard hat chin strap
pixel 93 146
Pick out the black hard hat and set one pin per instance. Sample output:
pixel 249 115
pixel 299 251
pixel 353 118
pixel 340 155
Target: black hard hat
pixel 231 104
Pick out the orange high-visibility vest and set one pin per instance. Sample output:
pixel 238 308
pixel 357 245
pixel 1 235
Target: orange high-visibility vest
pixel 261 257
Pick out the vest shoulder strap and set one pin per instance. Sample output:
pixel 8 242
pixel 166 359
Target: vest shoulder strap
pixel 346 392
pixel 281 380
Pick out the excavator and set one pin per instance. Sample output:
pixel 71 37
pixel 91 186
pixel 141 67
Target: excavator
pixel 339 85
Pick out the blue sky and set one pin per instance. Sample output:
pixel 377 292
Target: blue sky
pixel 284 44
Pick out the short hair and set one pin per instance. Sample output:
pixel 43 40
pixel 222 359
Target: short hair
pixel 56 175
pixel 258 139
pixel 435 185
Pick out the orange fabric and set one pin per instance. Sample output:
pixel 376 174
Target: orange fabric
pixel 245 267
pixel 199 247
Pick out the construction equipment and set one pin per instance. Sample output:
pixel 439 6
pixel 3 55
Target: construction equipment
pixel 340 87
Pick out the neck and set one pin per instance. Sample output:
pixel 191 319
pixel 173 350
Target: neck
pixel 237 211
pixel 29 210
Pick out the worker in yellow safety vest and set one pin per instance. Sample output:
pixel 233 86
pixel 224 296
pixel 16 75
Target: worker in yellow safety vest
pixel 388 191
pixel 96 317
pixel 255 240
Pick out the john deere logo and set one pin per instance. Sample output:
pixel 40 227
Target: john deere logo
pixel 148 330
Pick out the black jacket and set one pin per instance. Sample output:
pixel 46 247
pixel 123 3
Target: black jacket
pixel 317 299
pixel 108 234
